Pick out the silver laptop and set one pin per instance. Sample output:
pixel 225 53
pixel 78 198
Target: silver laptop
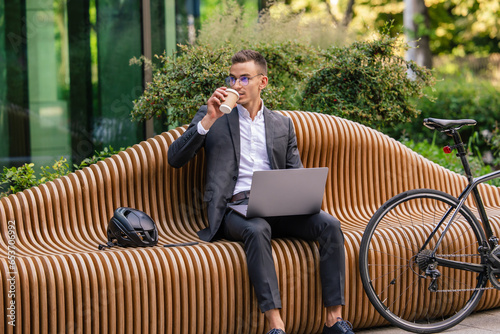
pixel 285 192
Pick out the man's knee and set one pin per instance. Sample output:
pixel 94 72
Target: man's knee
pixel 331 229
pixel 258 230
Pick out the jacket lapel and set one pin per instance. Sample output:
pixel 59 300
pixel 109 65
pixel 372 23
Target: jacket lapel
pixel 269 125
pixel 233 120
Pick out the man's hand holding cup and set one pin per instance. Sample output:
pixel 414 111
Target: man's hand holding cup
pixel 222 101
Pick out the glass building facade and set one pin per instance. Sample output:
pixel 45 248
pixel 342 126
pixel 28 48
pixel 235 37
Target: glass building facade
pixel 66 85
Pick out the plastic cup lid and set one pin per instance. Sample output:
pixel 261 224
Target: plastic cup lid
pixel 225 109
pixel 233 91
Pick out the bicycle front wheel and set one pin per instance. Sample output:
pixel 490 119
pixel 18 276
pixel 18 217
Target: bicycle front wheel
pixel 406 277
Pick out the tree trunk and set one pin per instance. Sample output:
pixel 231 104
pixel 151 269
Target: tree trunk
pixel 348 13
pixel 416 25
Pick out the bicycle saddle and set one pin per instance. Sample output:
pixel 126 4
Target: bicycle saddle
pixel 447 124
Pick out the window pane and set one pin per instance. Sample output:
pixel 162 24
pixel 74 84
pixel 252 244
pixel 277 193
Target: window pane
pixel 47 80
pixel 4 130
pixel 118 40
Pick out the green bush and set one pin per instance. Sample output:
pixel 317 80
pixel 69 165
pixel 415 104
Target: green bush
pixel 310 68
pixel 187 79
pixel 98 156
pixel 13 180
pixel 454 98
pixel 477 99
pixel 367 82
pixel 493 142
pixel 289 67
pixel 59 168
pixel 435 153
pixel 183 83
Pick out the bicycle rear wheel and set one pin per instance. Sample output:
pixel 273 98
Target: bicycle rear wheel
pixel 394 263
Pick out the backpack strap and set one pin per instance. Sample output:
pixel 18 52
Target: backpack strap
pixel 109 244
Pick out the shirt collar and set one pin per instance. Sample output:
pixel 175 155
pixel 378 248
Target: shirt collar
pixel 242 111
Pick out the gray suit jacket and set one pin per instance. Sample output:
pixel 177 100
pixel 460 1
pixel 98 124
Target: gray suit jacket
pixel 222 153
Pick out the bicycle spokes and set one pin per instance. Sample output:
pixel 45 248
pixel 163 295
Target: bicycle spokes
pixel 415 274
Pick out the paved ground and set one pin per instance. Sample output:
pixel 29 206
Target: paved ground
pixel 484 322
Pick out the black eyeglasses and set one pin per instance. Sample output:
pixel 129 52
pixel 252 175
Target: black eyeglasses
pixel 231 81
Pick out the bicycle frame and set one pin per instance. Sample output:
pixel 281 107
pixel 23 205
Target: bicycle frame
pixel 470 188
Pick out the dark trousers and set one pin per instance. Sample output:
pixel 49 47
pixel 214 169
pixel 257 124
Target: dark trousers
pixel 256 234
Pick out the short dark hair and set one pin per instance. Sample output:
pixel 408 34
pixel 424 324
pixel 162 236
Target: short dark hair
pixel 244 56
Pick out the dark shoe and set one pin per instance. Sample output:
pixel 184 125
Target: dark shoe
pixel 340 327
pixel 276 331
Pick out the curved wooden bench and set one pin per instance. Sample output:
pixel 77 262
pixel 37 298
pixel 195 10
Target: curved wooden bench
pixel 65 284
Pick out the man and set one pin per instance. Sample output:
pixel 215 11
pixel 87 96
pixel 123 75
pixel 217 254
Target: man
pixel 253 138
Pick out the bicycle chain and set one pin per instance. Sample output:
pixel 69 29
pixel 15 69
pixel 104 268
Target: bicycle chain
pixel 464 290
pixel 458 255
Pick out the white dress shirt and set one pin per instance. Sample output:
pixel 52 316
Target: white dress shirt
pixel 253 151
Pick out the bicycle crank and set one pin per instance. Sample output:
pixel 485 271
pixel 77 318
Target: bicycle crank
pixel 494 267
pixel 494 276
pixel 494 256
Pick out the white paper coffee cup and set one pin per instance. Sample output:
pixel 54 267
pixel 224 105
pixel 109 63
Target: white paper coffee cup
pixel 230 102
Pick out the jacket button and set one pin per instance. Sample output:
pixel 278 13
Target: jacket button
pixel 234 178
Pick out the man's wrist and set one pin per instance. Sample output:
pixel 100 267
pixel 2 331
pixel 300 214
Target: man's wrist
pixel 207 122
pixel 201 130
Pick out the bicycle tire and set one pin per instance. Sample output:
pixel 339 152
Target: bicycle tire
pixel 392 268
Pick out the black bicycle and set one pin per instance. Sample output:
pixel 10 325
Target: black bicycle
pixel 425 259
